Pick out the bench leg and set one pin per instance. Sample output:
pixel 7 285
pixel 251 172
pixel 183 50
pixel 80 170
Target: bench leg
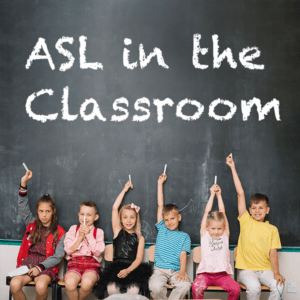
pixel 58 293
pixel 54 291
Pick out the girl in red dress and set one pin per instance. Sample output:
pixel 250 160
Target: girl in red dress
pixel 42 247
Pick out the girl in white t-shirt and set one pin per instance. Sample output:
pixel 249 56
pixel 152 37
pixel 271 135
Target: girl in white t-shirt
pixel 214 268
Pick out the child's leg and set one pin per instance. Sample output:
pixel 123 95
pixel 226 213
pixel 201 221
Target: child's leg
pixel 250 280
pixel 133 289
pixel 87 283
pixel 228 284
pixel 112 288
pixel 267 278
pixel 16 285
pixel 41 286
pixel 158 283
pixel 71 281
pixel 180 288
pixel 199 285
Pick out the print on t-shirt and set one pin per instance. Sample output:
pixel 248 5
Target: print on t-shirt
pixel 215 244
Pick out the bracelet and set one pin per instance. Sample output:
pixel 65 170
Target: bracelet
pixel 22 187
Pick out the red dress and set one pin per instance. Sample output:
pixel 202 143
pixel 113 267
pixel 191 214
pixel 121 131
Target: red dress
pixel 37 254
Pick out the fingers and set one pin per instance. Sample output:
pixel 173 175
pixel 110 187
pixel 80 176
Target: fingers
pixel 281 279
pixel 122 274
pixel 33 272
pixel 180 278
pixel 28 175
pixel 128 185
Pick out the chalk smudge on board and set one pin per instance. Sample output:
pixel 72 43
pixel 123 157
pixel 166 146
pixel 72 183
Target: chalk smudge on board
pixel 191 200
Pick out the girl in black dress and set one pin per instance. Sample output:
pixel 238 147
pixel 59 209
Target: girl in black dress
pixel 126 272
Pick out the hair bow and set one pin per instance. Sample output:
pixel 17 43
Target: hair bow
pixel 210 215
pixel 137 208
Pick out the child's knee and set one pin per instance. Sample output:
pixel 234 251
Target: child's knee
pixel 155 286
pixel 184 286
pixel 15 284
pixel 87 283
pixel 41 287
pixel 133 289
pixel 234 289
pixel 70 284
pixel 112 288
pixel 199 285
pixel 278 288
pixel 254 288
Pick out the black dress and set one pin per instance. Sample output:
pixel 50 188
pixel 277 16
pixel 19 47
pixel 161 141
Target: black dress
pixel 125 250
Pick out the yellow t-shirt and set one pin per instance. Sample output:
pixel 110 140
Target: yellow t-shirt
pixel 255 242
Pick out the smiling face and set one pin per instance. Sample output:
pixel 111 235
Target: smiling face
pixel 215 228
pixel 128 220
pixel 45 213
pixel 88 214
pixel 259 210
pixel 172 220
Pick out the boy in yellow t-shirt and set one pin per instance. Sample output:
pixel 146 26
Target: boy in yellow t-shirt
pixel 256 258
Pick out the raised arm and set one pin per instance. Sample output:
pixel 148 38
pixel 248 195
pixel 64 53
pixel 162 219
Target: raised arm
pixel 222 208
pixel 238 186
pixel 23 205
pixel 160 196
pixel 115 209
pixel 207 210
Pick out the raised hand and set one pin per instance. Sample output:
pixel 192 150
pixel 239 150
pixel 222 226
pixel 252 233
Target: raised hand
pixel 217 190
pixel 162 178
pixel 213 189
pixel 128 185
pixel 230 162
pixel 25 178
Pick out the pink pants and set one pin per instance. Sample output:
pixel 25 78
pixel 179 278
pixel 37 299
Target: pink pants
pixel 222 279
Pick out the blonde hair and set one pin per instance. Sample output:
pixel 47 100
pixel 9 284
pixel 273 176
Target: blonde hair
pixel 137 226
pixel 215 216
pixel 168 208
pixel 89 204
